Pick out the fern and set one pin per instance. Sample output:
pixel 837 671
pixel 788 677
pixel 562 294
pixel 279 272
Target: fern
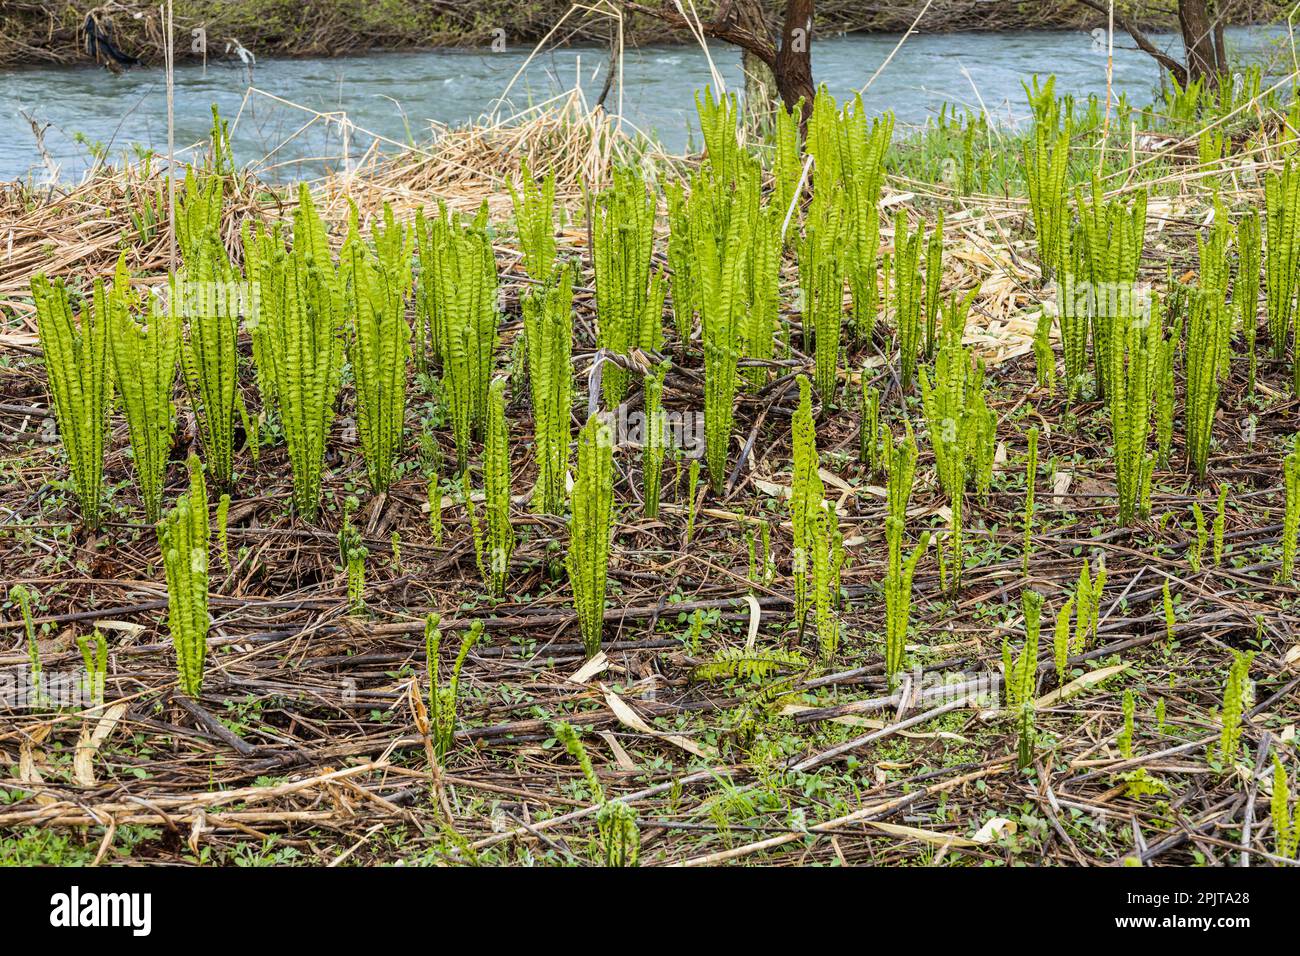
pixel 378 345
pixel 1110 238
pixel 623 237
pixel 653 442
pixel 806 495
pixel 871 451
pixel 305 324
pixel 1219 521
pixel 960 424
pixel 749 664
pixel 1020 675
pixel 933 278
pixel 534 206
pixel 1061 641
pixel 1046 156
pixel 722 228
pixel 443 699
pixel 94 658
pixel 1031 479
pixel 1291 514
pixel 77 371
pixel 680 265
pixel 1231 716
pixel 620 841
pixel 1245 292
pixel 1286 827
pixel 494 550
pixel 458 305
pixel 1207 332
pixel 20 595
pixel 184 535
pixel 548 325
pixel 1282 254
pixel 144 368
pixel 590 529
pixel 759 323
pixel 821 276
pixel 907 297
pixel 209 356
pixel 1134 348
pixel 898 595
pixel 863 150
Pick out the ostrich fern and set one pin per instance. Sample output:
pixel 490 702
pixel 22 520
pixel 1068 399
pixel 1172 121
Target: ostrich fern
pixel 1245 292
pixel 933 278
pixel 654 438
pixel 960 424
pixel 1134 344
pixel 1208 322
pixel 718 123
pixel 1046 162
pixel 760 321
pixel 379 342
pixel 184 535
pixel 1282 254
pixel 681 269
pixel 907 297
pixel 590 529
pixel 806 495
pixel 1286 822
pixel 442 699
pixel 305 344
pixel 494 550
pixel 864 148
pixel 1291 515
pixel 548 325
pixel 898 594
pixel 209 356
pixel 534 206
pixel 622 240
pixel 144 366
pixel 821 276
pixel 1111 236
pixel 1020 675
pixel 722 228
pixel 77 371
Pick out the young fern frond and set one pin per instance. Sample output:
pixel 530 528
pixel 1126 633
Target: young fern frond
pixel 960 424
pixel 442 699
pixel 1245 292
pixel 534 206
pixel 722 241
pixel 907 297
pixel 1046 156
pixel 759 323
pixel 1020 675
pixel 20 595
pixel 1286 821
pixel 81 388
pixel 623 236
pixel 864 149
pixel 209 356
pixel 590 529
pixel 1291 514
pixel 184 534
pixel 378 345
pixel 732 663
pixel 821 277
pixel 1111 236
pixel 806 495
pixel 898 594
pixel 655 438
pixel 1207 337
pixel 680 265
pixel 1134 345
pixel 305 325
pixel 144 366
pixel 1236 692
pixel 933 278
pixel 1282 254
pixel 494 552
pixel 548 326
pixel 1061 641
pixel 1031 479
pixel 458 304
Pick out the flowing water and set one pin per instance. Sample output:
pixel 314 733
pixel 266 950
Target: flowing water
pixel 394 95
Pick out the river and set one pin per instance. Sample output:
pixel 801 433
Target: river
pixel 393 95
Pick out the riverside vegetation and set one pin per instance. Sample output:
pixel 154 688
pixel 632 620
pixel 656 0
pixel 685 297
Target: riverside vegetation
pixel 831 480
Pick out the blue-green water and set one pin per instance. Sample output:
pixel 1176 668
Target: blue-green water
pixel 395 95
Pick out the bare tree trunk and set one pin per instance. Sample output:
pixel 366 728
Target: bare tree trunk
pixel 760 82
pixel 793 69
pixel 1198 29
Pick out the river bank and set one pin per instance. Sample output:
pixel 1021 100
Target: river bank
pixel 55 31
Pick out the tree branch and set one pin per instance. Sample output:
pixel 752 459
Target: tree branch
pixel 718 29
pixel 1143 42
